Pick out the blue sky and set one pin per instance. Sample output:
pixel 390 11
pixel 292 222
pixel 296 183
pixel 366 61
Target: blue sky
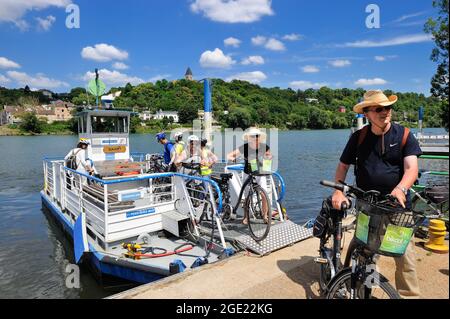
pixel 284 43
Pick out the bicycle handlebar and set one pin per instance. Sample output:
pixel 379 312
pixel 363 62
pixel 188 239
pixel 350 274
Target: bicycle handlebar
pixel 333 185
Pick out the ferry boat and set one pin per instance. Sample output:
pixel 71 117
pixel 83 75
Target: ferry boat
pixel 130 222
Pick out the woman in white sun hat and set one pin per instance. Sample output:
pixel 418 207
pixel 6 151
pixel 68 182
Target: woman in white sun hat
pixel 255 153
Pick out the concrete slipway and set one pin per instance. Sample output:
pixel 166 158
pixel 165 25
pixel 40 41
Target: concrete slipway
pixel 284 274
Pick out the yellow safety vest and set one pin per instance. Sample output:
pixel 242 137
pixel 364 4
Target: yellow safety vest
pixel 205 170
pixel 179 147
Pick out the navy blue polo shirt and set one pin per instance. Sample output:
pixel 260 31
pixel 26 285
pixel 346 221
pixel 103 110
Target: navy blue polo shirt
pixel 375 170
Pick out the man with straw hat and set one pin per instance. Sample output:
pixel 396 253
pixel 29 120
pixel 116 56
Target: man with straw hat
pixel 385 158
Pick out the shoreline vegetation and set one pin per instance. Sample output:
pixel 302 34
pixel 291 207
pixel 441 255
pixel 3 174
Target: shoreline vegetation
pixel 236 104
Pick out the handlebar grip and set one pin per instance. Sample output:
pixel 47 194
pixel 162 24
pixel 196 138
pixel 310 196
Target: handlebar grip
pixel 332 185
pixel 345 205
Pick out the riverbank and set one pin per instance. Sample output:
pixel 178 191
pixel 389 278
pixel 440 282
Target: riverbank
pixel 289 273
pixel 7 131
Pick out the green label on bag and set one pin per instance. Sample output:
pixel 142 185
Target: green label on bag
pixel 396 239
pixel 362 227
pixel 267 165
pixel 254 165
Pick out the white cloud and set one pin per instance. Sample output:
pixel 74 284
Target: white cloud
pixel 269 43
pixel 275 45
pixel 216 59
pixel 120 66
pixel 8 64
pixel 232 42
pixel 382 58
pixel 310 69
pixel 45 23
pixel 409 16
pixel 407 39
pixel 159 77
pixel 113 77
pixel 103 53
pixel 340 63
pixel 292 37
pixel 39 81
pixel 255 77
pixel 13 10
pixel 259 40
pixel 303 85
pixel 4 79
pixel 235 11
pixel 253 59
pixel 370 82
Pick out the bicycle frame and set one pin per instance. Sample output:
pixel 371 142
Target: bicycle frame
pixel 250 179
pixel 333 255
pixel 426 201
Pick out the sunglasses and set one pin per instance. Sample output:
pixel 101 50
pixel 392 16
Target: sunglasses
pixel 380 109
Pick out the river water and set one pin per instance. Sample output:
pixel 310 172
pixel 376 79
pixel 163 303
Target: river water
pixel 34 252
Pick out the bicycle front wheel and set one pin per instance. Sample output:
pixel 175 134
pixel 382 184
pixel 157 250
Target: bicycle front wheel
pixel 341 288
pixel 258 213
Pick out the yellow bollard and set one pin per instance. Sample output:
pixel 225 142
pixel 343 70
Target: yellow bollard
pixel 436 232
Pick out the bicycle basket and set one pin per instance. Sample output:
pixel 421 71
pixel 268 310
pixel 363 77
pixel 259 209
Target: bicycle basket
pixel 260 168
pixel 385 228
pixel 437 193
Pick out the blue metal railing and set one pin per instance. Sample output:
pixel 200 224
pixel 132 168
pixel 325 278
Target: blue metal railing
pixel 142 178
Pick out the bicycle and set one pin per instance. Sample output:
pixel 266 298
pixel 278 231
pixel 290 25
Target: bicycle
pixel 329 228
pixel 433 198
pixel 257 208
pixel 383 228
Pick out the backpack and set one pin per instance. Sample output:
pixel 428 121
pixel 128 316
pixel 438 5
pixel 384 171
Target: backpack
pixel 362 136
pixel 365 130
pixel 71 162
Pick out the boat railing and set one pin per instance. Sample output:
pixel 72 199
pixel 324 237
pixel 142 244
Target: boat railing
pixel 121 208
pixel 434 169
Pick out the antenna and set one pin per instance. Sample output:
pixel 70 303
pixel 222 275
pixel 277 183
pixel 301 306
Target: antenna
pixel 96 87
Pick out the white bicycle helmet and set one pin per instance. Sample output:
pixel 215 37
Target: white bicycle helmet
pixel 193 138
pixel 178 136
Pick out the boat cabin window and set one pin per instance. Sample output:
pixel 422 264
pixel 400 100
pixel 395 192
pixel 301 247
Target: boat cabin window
pixel 109 124
pixel 82 125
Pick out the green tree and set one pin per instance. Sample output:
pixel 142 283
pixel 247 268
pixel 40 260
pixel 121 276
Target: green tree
pixel 187 113
pixel 439 29
pixel 30 123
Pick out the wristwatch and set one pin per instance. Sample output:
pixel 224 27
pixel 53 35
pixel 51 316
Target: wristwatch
pixel 403 189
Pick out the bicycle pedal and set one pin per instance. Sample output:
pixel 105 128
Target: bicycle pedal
pixel 319 260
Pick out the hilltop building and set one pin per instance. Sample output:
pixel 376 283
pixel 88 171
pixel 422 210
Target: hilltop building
pixel 189 76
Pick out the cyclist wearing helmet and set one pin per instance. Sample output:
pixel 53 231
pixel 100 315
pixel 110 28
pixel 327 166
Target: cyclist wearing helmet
pixel 208 158
pixel 76 158
pixel 168 145
pixel 178 153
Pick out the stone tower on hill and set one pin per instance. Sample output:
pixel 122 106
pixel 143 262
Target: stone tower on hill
pixel 188 76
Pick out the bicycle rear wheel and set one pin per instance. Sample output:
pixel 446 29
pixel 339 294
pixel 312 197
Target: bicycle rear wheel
pixel 258 213
pixel 341 288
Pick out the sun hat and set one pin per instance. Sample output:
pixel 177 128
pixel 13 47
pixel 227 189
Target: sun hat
pixel 193 138
pixel 254 131
pixel 374 98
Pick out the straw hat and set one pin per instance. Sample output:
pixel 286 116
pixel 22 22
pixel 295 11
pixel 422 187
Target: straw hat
pixel 374 98
pixel 254 131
